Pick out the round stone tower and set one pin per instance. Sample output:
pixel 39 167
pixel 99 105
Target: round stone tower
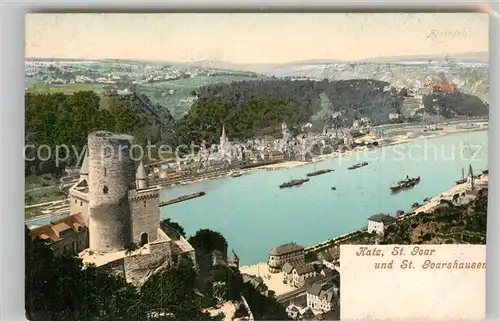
pixel 111 176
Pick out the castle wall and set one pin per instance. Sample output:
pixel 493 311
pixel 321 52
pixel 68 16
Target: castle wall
pixel 71 241
pixel 144 206
pixel 140 267
pixel 111 175
pixel 79 205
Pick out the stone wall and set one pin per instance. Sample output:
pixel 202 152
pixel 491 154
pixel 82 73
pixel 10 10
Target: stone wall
pixel 71 241
pixel 138 268
pixel 79 205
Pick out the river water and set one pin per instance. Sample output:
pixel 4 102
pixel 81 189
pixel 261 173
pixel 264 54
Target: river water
pixel 254 214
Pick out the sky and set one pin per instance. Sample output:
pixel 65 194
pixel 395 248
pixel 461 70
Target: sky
pixel 253 37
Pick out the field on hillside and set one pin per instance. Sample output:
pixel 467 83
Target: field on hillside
pixel 176 95
pixel 65 89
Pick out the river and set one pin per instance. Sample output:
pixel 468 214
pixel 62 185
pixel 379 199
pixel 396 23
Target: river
pixel 254 214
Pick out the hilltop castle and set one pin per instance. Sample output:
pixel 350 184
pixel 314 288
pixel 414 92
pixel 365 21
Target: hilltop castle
pixel 114 206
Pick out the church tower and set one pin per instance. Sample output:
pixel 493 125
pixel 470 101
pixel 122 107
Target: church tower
pixel 223 141
pixel 470 179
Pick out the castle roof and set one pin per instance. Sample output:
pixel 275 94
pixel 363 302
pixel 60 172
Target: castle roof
pixel 141 172
pixel 52 230
pixel 382 218
pixel 84 168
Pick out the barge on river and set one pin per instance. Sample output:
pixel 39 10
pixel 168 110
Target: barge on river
pixel 356 166
pixel 320 172
pixel 182 198
pixel 407 183
pixel 294 182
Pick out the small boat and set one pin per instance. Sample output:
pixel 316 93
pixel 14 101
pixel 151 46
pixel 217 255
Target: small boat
pixel 294 182
pixel 236 174
pixel 334 188
pixel 356 166
pixel 463 180
pixel 320 172
pixel 408 183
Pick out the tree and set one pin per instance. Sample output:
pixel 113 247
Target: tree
pixel 60 288
pixel 171 291
pixel 206 241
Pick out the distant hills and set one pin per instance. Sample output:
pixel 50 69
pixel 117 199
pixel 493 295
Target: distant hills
pixel 477 57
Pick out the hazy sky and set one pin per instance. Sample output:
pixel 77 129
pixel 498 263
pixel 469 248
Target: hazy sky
pixel 253 38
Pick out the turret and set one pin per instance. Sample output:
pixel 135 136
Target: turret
pixel 233 260
pixel 141 177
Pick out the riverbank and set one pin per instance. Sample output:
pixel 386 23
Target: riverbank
pixel 408 137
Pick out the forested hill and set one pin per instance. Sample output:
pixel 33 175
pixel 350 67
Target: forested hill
pixel 62 119
pixel 252 108
pixel 249 109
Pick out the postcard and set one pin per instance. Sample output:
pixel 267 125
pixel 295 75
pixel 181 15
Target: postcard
pixel 251 166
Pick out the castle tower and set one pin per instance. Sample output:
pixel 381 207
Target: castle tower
pixel 470 179
pixel 233 260
pixel 84 168
pixel 111 175
pixel 141 177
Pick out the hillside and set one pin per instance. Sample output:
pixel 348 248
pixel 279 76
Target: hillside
pixel 448 223
pixel 471 78
pixel 67 119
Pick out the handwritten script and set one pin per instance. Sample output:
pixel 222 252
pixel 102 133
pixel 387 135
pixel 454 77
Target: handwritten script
pixel 402 257
pixel 420 282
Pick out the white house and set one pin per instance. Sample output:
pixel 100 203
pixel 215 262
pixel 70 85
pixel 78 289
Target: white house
pixel 378 223
pixel 322 297
pixel 301 273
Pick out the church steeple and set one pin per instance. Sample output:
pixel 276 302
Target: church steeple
pixel 470 178
pixel 223 140
pixel 223 135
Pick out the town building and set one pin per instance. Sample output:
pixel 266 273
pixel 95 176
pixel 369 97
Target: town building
pixel 323 297
pixel 67 235
pixel 291 253
pixel 301 273
pixel 444 87
pixel 276 156
pixel 378 223
pixel 112 207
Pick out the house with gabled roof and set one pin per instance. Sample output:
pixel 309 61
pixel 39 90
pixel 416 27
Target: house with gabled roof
pixel 378 223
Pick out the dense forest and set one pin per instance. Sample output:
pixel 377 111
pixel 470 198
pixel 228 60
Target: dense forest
pixel 65 120
pixel 458 104
pixel 254 108
pixel 59 288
